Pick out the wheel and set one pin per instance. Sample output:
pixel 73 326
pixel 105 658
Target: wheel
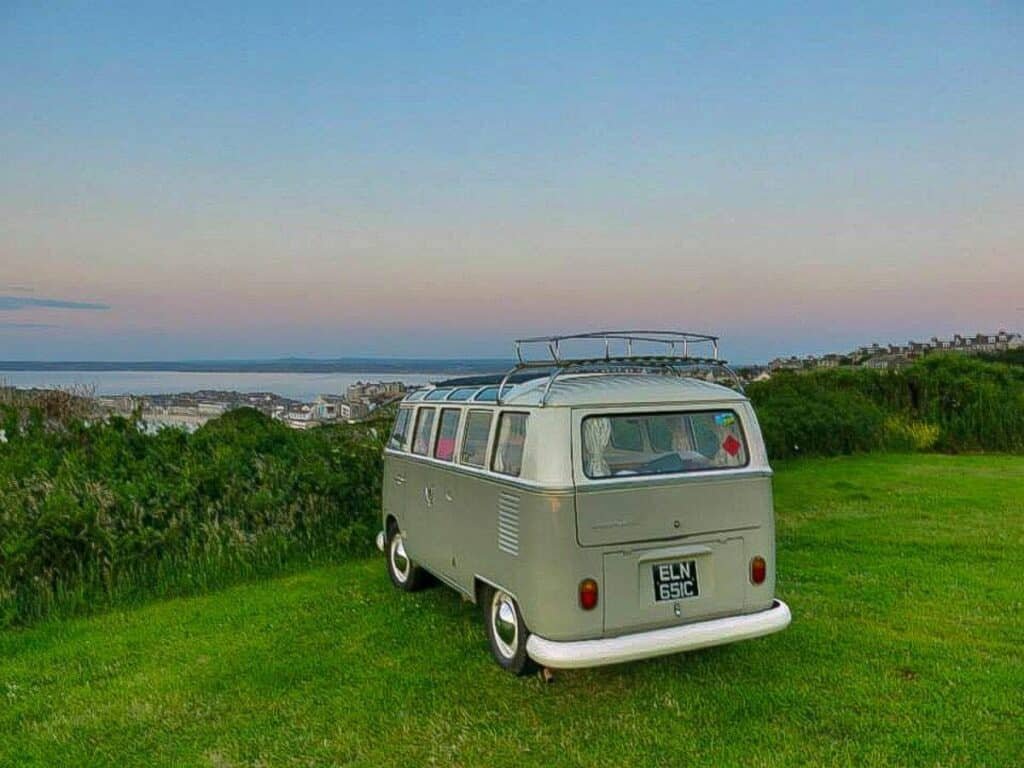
pixel 404 573
pixel 506 631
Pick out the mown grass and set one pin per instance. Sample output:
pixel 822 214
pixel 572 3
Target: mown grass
pixel 903 573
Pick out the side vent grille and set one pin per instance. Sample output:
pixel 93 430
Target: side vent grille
pixel 508 523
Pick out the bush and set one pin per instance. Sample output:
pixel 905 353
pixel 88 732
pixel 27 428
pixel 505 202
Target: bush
pixel 945 402
pixel 902 434
pixel 799 417
pixel 93 512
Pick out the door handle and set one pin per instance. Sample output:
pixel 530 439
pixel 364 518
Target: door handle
pixel 428 496
pixel 448 495
pixel 399 479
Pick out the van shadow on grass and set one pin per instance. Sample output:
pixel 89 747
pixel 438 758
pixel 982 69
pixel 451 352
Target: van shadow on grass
pixel 460 632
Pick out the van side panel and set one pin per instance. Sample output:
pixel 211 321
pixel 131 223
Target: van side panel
pixel 393 488
pixel 524 540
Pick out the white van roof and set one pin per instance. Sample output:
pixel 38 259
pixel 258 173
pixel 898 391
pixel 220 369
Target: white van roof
pixel 618 389
pixel 617 375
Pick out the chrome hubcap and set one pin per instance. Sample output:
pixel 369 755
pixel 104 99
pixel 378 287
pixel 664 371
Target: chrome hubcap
pixel 503 620
pixel 399 560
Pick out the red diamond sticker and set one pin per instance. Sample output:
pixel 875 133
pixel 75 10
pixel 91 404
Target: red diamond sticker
pixel 732 445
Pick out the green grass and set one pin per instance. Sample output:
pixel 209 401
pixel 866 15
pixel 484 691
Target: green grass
pixel 907 647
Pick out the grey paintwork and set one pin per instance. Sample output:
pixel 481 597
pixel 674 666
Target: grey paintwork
pixel 538 535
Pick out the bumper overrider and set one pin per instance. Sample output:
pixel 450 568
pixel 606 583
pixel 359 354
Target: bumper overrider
pixel 658 642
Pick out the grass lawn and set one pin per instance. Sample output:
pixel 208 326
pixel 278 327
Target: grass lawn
pixel 907 647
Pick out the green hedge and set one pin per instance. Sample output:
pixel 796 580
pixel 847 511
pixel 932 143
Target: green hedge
pixel 98 512
pixel 91 513
pixel 947 402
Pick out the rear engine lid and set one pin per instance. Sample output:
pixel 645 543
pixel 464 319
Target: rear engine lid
pixel 661 510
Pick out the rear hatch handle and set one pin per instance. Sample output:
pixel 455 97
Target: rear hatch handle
pixel 669 552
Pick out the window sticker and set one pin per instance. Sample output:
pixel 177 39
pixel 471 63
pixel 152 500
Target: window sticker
pixel 731 445
pixel 725 419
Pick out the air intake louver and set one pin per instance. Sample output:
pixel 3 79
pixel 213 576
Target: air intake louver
pixel 508 523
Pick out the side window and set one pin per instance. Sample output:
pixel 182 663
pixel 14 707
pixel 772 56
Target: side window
pixel 508 450
pixel 421 437
pixel 397 439
pixel 444 449
pixel 489 395
pixel 474 438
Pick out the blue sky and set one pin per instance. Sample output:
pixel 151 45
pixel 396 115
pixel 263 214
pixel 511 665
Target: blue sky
pixel 330 179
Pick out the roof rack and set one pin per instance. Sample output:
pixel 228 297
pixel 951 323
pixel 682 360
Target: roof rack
pixel 619 355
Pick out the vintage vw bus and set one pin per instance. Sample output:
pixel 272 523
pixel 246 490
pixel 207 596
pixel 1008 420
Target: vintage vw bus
pixel 600 509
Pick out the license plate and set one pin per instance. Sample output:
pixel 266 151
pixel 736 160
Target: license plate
pixel 675 581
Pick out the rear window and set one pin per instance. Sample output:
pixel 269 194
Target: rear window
pixel 421 437
pixel 508 450
pixel 444 449
pixel 397 439
pixel 662 443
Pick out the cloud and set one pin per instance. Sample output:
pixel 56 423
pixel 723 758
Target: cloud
pixel 25 302
pixel 26 326
pixel 17 289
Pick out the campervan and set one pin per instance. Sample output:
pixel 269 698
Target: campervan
pixel 600 507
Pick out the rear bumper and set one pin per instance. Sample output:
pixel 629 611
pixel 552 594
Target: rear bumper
pixel 658 642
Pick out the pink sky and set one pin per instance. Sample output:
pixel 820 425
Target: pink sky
pixel 352 186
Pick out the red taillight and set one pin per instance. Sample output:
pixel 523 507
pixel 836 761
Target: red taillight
pixel 588 594
pixel 758 570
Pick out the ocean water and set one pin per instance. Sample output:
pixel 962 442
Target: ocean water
pixel 298 386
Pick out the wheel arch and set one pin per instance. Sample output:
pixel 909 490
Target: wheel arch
pixel 480 583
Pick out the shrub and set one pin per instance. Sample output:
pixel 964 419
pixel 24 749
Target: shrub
pixel 903 434
pixel 799 417
pixel 92 512
pixel 946 402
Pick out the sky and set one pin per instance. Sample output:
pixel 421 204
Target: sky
pixel 183 181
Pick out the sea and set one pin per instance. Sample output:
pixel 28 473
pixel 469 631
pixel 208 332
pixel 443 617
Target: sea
pixel 297 386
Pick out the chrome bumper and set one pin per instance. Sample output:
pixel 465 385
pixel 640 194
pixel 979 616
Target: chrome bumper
pixel 658 642
pixel 380 540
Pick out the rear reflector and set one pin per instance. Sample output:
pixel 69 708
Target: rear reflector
pixel 588 594
pixel 758 570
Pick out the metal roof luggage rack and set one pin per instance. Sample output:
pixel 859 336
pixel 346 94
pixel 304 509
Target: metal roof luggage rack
pixel 619 355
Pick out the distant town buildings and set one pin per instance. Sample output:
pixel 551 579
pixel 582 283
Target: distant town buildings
pixel 375 391
pixel 895 356
pixel 190 410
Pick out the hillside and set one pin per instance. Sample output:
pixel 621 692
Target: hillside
pixel 902 572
